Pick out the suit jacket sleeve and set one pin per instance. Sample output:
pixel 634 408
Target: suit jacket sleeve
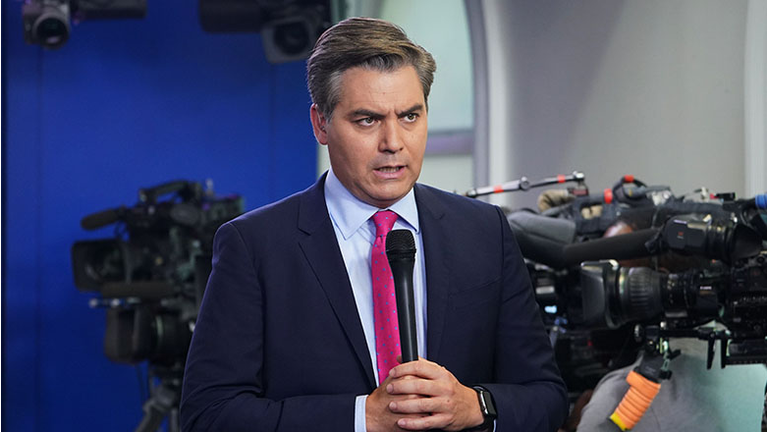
pixel 224 388
pixel 528 390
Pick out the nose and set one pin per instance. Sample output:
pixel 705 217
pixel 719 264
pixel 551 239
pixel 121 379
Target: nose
pixel 391 140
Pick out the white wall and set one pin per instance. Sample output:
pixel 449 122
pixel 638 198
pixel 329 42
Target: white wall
pixel 755 99
pixel 654 88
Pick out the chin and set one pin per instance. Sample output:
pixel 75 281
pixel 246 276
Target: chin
pixel 386 196
pixel 389 200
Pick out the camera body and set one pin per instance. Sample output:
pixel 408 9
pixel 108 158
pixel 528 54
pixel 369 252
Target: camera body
pixel 151 275
pixel 678 263
pixel 734 295
pixel 48 22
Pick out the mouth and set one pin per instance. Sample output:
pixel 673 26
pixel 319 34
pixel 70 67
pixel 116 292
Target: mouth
pixel 390 169
pixel 390 172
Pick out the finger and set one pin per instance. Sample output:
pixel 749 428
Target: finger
pixel 422 368
pixel 389 378
pixel 438 421
pixel 416 405
pixel 425 405
pixel 400 358
pixel 416 386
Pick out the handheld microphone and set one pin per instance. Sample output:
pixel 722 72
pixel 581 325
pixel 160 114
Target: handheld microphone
pixel 401 254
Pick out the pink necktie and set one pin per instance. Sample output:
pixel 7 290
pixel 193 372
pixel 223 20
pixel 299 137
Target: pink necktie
pixel 384 305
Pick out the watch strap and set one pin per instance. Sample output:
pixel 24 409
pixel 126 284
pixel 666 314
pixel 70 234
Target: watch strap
pixel 487 407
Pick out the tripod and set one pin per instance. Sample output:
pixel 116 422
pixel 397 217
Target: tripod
pixel 163 401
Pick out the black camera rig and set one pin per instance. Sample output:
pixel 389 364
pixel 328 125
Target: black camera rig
pixel 151 277
pixel 690 260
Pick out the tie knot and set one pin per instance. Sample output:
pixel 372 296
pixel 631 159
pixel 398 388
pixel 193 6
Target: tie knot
pixel 384 221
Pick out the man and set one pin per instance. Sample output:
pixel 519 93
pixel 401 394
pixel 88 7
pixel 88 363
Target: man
pixel 287 338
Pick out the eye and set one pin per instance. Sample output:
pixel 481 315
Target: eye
pixel 368 121
pixel 411 117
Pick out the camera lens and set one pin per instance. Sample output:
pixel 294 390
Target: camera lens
pixel 639 293
pixel 51 29
pixel 292 38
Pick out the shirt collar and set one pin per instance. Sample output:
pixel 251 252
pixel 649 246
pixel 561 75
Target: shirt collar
pixel 349 213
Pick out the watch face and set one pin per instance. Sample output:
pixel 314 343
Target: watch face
pixel 486 403
pixel 488 407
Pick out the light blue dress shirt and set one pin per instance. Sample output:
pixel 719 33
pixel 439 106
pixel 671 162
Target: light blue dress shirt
pixel 356 233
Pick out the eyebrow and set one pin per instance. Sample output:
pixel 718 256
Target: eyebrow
pixel 364 113
pixel 417 107
pixel 361 112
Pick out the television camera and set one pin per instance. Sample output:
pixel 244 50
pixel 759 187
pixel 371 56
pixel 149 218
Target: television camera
pixel 47 22
pixel 151 277
pixel 684 262
pixel 729 287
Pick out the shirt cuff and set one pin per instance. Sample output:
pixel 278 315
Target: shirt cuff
pixel 360 413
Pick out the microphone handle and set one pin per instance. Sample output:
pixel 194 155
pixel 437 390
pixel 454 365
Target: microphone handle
pixel 402 273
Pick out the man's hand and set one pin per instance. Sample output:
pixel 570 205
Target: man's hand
pixel 378 416
pixel 438 399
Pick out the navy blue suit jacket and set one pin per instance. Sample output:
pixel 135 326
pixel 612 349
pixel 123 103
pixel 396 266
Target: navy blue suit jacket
pixel 279 346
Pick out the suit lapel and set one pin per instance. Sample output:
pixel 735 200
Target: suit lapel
pixel 436 260
pixel 322 251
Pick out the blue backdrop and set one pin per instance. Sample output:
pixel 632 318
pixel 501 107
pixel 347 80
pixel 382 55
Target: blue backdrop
pixel 122 105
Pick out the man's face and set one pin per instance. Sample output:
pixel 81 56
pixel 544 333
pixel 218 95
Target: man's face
pixel 378 133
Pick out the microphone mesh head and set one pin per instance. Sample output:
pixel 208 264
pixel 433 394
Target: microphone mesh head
pixel 400 241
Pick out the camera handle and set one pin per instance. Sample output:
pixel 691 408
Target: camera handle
pixel 645 380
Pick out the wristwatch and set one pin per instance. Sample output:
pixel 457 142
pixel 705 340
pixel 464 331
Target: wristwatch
pixel 487 407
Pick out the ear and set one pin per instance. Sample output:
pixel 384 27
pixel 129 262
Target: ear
pixel 319 123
